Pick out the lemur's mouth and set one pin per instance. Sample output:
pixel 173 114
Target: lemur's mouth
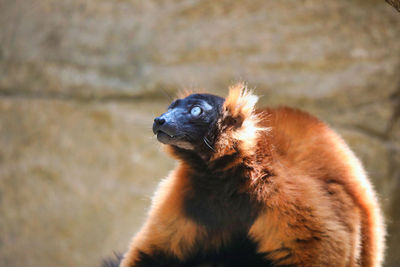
pixel 176 140
pixel 166 136
pixel 162 133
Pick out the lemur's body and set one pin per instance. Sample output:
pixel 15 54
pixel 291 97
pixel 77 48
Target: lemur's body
pixel 272 187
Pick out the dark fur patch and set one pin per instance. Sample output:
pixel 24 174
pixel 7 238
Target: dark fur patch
pixel 240 252
pixel 217 199
pixel 222 162
pixel 219 207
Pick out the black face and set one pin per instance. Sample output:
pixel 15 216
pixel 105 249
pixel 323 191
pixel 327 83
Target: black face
pixel 189 122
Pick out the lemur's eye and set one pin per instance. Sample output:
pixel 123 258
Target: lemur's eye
pixel 195 111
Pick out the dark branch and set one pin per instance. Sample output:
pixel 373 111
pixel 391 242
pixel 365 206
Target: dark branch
pixel 394 3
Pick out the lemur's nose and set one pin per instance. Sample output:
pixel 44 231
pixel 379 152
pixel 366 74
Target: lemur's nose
pixel 159 121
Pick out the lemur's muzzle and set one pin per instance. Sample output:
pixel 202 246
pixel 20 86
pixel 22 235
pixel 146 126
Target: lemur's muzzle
pixel 163 126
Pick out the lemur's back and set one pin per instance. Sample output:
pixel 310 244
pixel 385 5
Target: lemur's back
pixel 307 153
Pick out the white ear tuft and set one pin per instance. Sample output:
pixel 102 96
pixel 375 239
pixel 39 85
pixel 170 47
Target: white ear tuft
pixel 240 101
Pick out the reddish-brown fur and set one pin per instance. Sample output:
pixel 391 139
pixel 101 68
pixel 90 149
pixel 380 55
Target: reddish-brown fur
pixel 318 205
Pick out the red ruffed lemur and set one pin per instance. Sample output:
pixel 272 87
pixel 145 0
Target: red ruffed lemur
pixel 265 187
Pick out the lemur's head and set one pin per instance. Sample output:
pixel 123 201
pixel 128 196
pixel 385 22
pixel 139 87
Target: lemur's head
pixel 209 125
pixel 188 121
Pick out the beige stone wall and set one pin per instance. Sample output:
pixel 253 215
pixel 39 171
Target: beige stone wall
pixel 81 81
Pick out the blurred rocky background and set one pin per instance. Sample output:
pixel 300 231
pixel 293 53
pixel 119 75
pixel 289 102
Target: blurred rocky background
pixel 81 81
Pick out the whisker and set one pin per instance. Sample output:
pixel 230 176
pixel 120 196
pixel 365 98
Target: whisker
pixel 165 92
pixel 207 142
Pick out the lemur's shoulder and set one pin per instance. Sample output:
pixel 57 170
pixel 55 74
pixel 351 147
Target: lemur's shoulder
pixel 300 139
pixel 309 152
